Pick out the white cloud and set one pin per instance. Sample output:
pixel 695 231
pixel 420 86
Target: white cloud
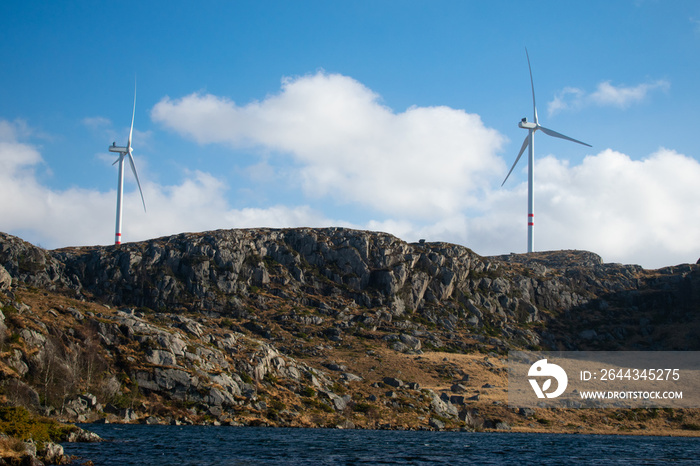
pixel 57 218
pixel 430 172
pixel 97 122
pixel 629 211
pixel 425 162
pixel 695 23
pixel 569 97
pixel 605 95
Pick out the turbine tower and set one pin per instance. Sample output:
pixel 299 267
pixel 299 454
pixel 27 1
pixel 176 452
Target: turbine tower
pixel 529 142
pixel 123 153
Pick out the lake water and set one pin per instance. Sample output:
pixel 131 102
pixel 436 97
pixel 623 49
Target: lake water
pixel 208 445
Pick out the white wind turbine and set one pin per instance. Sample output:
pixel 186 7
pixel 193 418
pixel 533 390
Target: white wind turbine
pixel 123 153
pixel 530 142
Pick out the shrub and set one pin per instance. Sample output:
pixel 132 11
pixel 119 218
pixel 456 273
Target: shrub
pixel 363 407
pixel 277 405
pixel 16 421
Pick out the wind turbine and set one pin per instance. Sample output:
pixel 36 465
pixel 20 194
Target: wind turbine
pixel 123 153
pixel 529 141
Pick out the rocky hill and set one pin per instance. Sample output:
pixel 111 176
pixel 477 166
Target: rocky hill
pixel 315 327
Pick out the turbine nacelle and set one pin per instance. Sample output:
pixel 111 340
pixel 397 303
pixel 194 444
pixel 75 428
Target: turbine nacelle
pixel 526 124
pixel 118 149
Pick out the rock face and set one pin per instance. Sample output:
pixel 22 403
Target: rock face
pixel 199 318
pixel 444 284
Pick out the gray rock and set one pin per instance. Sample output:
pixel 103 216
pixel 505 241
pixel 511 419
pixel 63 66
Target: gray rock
pixel 471 419
pixel 442 407
pixel 411 342
pixel 161 357
pixel 89 399
pixel 399 347
pixel 458 388
pixel 16 361
pixel 393 382
pixel 436 423
pixel 217 397
pixel 129 415
pixel 336 367
pixel 5 279
pixel 81 435
pixel 337 402
pixel 32 338
pixel 351 377
pixel 345 424
pixel 30 447
pixel 502 426
pixel 51 453
pixel 77 315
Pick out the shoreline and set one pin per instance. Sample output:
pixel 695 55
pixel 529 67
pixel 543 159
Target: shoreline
pixel 513 430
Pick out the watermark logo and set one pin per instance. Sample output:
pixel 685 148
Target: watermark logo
pixel 543 369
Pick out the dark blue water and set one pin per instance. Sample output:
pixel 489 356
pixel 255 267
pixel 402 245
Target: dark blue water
pixel 203 445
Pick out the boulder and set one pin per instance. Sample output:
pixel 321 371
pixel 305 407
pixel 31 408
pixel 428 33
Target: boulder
pixel 161 357
pixel 52 453
pixel 81 435
pixel 5 279
pixel 436 424
pixel 441 407
pixel 458 388
pixel 393 382
pixel 16 361
pixel 411 342
pixel 351 377
pixel 32 338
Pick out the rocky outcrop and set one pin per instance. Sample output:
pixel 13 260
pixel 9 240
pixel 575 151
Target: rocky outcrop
pixel 443 285
pixel 235 324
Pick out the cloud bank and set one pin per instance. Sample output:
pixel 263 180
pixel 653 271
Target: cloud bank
pixel 430 173
pixel 426 162
pixel 605 95
pixel 75 217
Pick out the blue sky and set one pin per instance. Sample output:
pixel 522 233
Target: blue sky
pixel 398 116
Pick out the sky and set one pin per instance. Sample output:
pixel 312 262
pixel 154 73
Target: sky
pixel 397 116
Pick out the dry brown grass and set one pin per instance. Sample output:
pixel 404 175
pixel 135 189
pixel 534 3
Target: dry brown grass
pixel 11 447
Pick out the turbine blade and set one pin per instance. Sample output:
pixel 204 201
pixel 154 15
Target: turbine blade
pixel 532 84
pixel 549 132
pixel 133 112
pixel 522 149
pixel 119 159
pixel 133 169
